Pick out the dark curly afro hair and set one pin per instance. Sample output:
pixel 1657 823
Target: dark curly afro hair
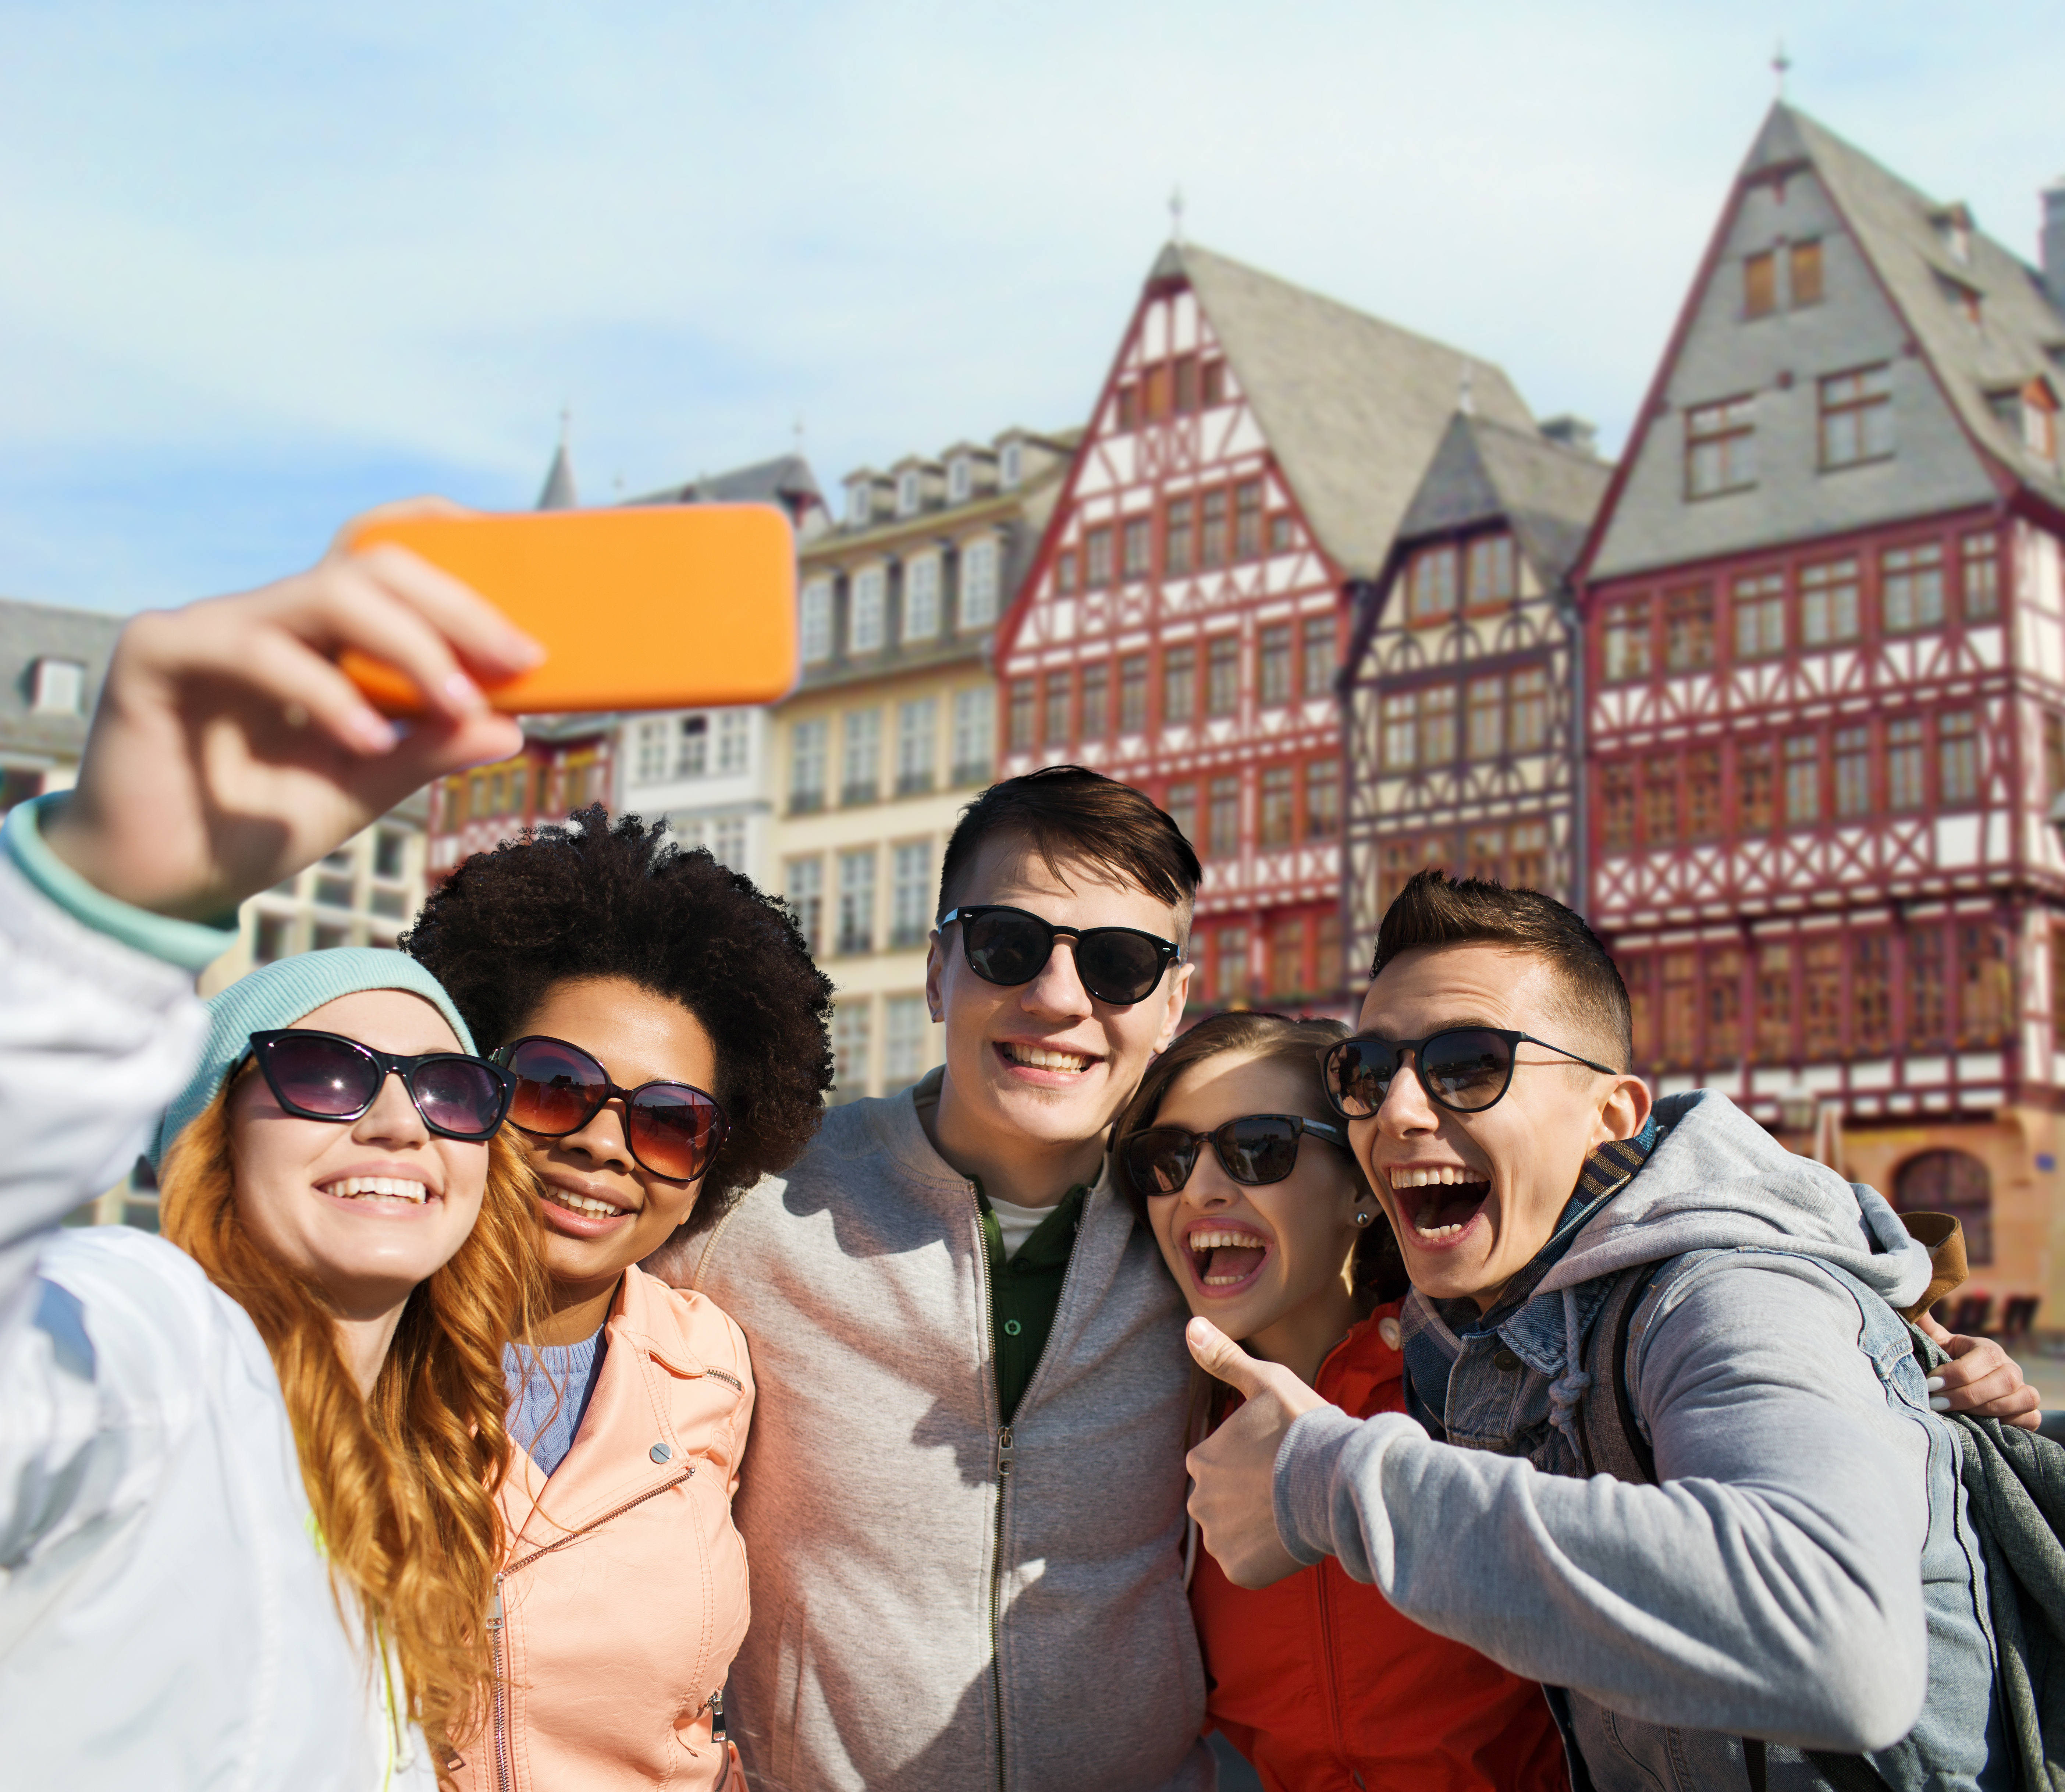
pixel 594 899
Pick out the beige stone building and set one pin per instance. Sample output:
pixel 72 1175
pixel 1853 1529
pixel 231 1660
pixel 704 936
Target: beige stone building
pixel 894 726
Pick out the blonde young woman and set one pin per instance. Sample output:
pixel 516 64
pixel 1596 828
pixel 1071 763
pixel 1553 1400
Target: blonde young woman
pixel 245 1494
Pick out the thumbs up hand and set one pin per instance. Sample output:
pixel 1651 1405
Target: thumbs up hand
pixel 1233 1472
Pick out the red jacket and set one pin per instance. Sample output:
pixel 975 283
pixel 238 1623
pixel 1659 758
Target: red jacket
pixel 1326 1689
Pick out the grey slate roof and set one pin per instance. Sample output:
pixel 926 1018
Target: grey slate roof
pixel 1352 406
pixel 31 632
pixel 559 493
pixel 2022 336
pixel 1484 470
pixel 786 480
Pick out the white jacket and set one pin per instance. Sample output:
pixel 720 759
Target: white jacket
pixel 166 1616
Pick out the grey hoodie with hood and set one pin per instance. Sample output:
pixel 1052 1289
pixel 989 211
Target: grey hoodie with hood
pixel 1802 1571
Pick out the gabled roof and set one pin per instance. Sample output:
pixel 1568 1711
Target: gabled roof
pixel 1351 407
pixel 1485 470
pixel 2021 334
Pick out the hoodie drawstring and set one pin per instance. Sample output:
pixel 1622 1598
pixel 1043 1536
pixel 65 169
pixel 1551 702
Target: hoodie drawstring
pixel 1570 1388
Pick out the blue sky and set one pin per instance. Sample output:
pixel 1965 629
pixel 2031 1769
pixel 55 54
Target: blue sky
pixel 269 264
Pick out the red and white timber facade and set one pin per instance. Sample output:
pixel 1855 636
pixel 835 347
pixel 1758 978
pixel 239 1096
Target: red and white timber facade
pixel 1181 626
pixel 1825 633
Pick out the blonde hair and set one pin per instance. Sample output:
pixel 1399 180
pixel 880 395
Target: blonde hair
pixel 403 1484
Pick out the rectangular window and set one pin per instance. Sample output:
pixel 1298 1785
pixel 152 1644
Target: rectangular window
pixel 1757 787
pixel 868 626
pixel 1803 780
pixel 1857 416
pixel 1222 675
pixel 1182 803
pixel 1179 683
pixel 1871 992
pixel 903 1023
pixel 1279 534
pixel 1759 284
pixel 1681 1009
pixel 856 900
pixel 1721 448
pixel 1279 802
pixel 652 744
pixel 1982 987
pixel 1530 867
pixel 734 742
pixel 910 893
pixel 727 843
pixel 1065 572
pixel 1230 954
pixel 921 597
pixel 1486 718
pixel 1054 731
pixel 1828 603
pixel 1186 384
pixel 1226 818
pixel 1688 629
pixel 1853 772
pixel 1323 799
pixel 1484 854
pixel 1982 557
pixel 1274 664
pixel 1928 990
pixel 980 582
pixel 860 759
pixel 1821 987
pixel 1176 539
pixel 1957 759
pixel 1129 408
pixel 1723 1044
pixel 692 747
pixel 1097 559
pixel 849 1048
pixel 1659 801
pixel 1096 700
pixel 1527 710
pixel 1437 724
pixel 1627 639
pixel 1904 790
pixel 1636 972
pixel 1212 537
pixel 1488 570
pixel 1286 956
pixel 1430 585
pixel 1158 394
pixel 1774 1002
pixel 1248 519
pixel 975 733
pixel 1703 793
pixel 817 623
pixel 1617 807
pixel 1400 732
pixel 1805 274
pixel 388 849
pixel 271 939
pixel 809 748
pixel 1214 382
pixel 1025 714
pixel 1139 546
pixel 1759 607
pixel 917 738
pixel 1318 650
pixel 1911 590
pixel 1132 693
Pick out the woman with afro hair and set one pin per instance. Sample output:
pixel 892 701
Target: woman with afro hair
pixel 666 1030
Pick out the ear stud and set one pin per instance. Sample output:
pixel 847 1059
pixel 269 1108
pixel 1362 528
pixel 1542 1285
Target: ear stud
pixel 1363 1219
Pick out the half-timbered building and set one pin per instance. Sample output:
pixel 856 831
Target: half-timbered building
pixel 1243 472
pixel 1461 745
pixel 1827 694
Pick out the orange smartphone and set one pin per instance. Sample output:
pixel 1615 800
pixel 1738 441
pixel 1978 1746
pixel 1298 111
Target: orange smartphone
pixel 649 607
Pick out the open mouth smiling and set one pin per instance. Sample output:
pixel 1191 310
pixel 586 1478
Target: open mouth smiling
pixel 1225 1257
pixel 1438 1202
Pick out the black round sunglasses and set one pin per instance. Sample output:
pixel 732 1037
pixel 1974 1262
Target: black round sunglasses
pixel 1464 1069
pixel 1121 965
pixel 1256 1149
pixel 325 1076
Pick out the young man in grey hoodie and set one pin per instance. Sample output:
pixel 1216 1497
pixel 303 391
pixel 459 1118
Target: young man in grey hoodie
pixel 962 1501
pixel 1801 1573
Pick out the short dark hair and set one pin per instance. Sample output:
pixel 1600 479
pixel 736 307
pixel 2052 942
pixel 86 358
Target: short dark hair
pixel 1434 910
pixel 593 899
pixel 1071 812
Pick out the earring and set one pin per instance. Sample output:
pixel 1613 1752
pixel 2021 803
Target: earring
pixel 1363 1219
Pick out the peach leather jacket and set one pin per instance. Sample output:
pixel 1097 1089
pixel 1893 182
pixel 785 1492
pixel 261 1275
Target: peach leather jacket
pixel 623 1596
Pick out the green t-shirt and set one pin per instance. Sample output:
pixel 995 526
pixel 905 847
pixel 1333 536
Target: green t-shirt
pixel 1025 1290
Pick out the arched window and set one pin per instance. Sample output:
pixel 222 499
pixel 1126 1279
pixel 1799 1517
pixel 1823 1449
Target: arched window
pixel 1954 1182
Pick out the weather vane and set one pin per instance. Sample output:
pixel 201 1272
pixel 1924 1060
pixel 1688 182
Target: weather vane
pixel 1779 63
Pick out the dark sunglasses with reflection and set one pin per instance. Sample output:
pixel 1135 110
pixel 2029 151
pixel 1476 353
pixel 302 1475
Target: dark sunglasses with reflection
pixel 326 1076
pixel 1464 1069
pixel 672 1129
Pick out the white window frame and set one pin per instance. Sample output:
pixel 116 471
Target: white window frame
pixel 960 480
pixel 734 742
pixel 816 621
pixel 974 732
pixel 922 579
pixel 981 569
pixel 867 623
pixel 917 736
pixel 57 686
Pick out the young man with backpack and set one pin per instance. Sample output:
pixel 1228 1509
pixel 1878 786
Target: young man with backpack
pixel 965 1544
pixel 1782 1584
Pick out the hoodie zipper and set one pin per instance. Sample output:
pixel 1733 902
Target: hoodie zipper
pixel 505 1768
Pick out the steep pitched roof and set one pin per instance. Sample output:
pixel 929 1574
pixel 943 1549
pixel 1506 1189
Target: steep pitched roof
pixel 786 480
pixel 1352 406
pixel 1484 469
pixel 2020 335
pixel 559 493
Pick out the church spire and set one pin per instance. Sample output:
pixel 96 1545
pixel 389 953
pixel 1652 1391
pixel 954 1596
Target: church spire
pixel 559 493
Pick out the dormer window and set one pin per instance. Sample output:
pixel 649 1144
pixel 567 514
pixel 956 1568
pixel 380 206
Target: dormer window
pixel 1953 228
pixel 58 687
pixel 960 480
pixel 1011 465
pixel 860 503
pixel 910 492
pixel 2031 414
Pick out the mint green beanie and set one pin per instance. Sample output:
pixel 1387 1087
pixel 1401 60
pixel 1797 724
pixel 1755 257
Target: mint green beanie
pixel 277 995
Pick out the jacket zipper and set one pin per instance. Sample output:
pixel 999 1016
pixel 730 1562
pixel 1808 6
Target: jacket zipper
pixel 505 1768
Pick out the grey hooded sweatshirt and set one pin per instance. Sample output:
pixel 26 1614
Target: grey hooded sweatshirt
pixel 938 1605
pixel 1802 1571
